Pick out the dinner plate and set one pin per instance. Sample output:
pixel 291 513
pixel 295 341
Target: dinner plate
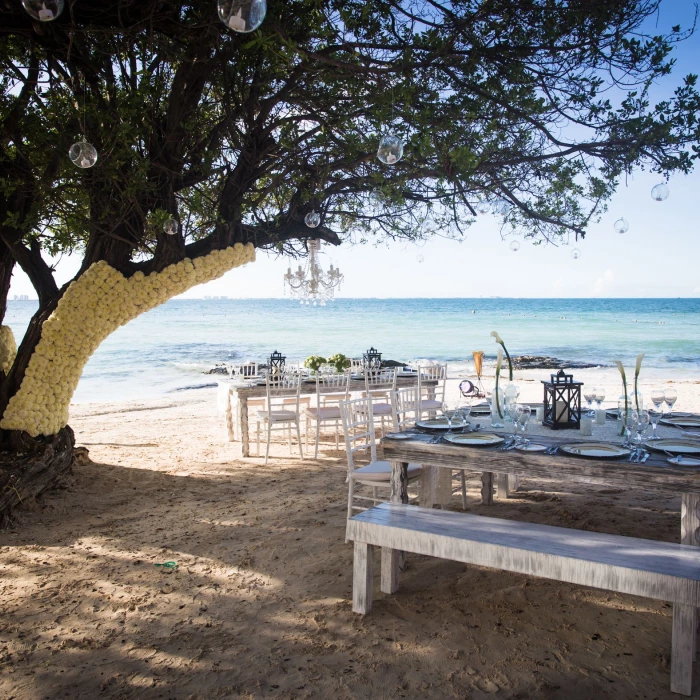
pixel 595 450
pixel 675 445
pixel 441 424
pixel 532 447
pixel 684 461
pixel 399 436
pixel 480 410
pixel 682 422
pixel 475 439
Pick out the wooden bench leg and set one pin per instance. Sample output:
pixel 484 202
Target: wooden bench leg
pixel 502 485
pixel 390 570
pixel 487 488
pixel 690 524
pixel 362 578
pixel 683 648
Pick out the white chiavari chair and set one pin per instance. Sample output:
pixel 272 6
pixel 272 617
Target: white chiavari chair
pixel 379 386
pixel 331 389
pixel 358 427
pixel 431 389
pixel 281 409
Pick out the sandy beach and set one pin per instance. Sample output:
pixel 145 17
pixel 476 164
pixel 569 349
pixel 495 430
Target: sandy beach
pixel 259 605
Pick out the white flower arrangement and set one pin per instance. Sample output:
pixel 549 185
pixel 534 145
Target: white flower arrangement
pixel 94 306
pixel 8 348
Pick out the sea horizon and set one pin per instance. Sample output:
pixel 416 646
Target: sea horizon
pixel 172 347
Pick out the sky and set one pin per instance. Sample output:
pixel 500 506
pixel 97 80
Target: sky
pixel 658 257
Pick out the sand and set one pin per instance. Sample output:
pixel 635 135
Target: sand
pixel 260 603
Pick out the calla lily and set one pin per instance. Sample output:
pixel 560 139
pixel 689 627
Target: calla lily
pixel 639 364
pixel 637 369
pixel 497 337
pixel 499 340
pixel 499 363
pixel 620 366
pixel 624 384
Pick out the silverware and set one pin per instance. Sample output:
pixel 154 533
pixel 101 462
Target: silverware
pixel 646 457
pixel 554 450
pixel 505 445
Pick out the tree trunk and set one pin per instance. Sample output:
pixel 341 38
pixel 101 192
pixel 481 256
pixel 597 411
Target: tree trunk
pixel 28 466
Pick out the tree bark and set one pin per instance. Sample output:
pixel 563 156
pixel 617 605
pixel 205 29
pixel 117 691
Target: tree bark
pixel 29 466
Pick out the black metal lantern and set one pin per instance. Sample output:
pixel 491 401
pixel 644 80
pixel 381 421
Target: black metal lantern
pixel 562 402
pixel 277 360
pixel 372 359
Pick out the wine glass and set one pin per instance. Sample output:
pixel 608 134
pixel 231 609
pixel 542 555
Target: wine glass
pixel 512 411
pixel 629 421
pixel 656 414
pixel 643 419
pixel 464 408
pixel 599 395
pixel 670 397
pixel 524 414
pixel 449 413
pixel 589 395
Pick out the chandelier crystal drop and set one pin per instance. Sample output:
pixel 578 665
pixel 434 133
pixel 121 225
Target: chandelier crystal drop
pixel 660 192
pixel 43 10
pixel 83 154
pixel 170 227
pixel 515 246
pixel 575 253
pixel 312 219
pixel 390 149
pixel 242 15
pixel 621 225
pixel 483 207
pixel 311 284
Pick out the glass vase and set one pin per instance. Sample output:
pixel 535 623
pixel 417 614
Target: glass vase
pixel 496 418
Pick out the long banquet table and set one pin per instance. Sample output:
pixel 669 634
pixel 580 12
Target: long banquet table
pixel 234 401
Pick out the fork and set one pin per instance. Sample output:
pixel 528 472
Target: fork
pixel 506 445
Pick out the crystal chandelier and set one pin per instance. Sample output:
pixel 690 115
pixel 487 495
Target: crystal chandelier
pixel 310 284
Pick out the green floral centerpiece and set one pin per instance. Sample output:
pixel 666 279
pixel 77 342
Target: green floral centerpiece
pixel 314 362
pixel 339 361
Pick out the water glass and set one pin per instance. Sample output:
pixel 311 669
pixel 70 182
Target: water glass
pixel 464 408
pixel 599 395
pixel 655 414
pixel 449 413
pixel 641 426
pixel 670 397
pixel 512 413
pixel 589 395
pixel 523 417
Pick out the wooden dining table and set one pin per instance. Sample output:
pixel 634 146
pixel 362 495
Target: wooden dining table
pixel 657 474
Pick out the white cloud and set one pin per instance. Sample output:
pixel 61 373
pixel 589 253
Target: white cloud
pixel 603 284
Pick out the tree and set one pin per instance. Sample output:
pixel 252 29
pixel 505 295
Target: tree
pixel 536 107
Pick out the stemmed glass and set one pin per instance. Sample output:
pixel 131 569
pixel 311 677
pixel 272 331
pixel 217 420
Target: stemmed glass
pixel 629 421
pixel 656 414
pixel 641 425
pixel 464 408
pixel 524 413
pixel 599 396
pixel 449 414
pixel 670 397
pixel 589 395
pixel 512 411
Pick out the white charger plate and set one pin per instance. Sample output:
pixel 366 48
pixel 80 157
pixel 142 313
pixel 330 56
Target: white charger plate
pixel 595 450
pixel 532 447
pixel 676 445
pixel 475 439
pixel 399 436
pixel 441 424
pixel 680 461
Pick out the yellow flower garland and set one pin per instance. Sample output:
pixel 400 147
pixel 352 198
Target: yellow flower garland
pixel 8 348
pixel 94 306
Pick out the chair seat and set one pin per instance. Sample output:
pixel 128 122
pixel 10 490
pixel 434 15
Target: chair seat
pixel 324 413
pixel 429 404
pixel 381 409
pixel 380 471
pixel 278 416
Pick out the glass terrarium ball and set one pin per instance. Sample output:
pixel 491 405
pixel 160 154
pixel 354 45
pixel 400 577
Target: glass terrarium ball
pixel 390 149
pixel 420 258
pixel 43 10
pixel 515 246
pixel 170 227
pixel 500 206
pixel 83 154
pixel 312 219
pixel 242 15
pixel 483 207
pixel 660 192
pixel 621 225
pixel 575 253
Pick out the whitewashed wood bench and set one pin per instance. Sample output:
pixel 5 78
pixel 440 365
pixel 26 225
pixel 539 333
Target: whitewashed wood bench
pixel 646 568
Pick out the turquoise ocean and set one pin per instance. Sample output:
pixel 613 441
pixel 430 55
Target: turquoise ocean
pixel 170 348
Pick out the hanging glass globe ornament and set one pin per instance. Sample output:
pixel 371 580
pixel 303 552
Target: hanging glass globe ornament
pixel 390 149
pixel 483 207
pixel 500 206
pixel 621 225
pixel 44 11
pixel 83 154
pixel 515 246
pixel 170 227
pixel 242 15
pixel 312 219
pixel 575 253
pixel 420 258
pixel 660 192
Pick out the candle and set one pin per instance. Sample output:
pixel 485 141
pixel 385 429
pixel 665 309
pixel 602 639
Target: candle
pixel 600 416
pixel 586 426
pixel 561 412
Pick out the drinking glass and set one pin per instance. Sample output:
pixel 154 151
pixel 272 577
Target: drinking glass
pixel 464 408
pixel 512 413
pixel 642 424
pixel 589 395
pixel 449 413
pixel 670 397
pixel 656 411
pixel 629 421
pixel 524 414
pixel 599 395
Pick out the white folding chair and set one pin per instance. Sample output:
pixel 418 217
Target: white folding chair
pixel 281 409
pixel 379 386
pixel 331 390
pixel 431 388
pixel 358 426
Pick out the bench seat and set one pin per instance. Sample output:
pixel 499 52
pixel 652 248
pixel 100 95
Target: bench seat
pixel 646 568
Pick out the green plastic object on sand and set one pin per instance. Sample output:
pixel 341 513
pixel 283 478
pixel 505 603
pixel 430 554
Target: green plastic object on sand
pixel 168 566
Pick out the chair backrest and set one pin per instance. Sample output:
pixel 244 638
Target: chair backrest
pixel 404 407
pixel 246 369
pixel 358 426
pixel 333 383
pixel 427 375
pixel 379 380
pixel 283 391
pixel 356 365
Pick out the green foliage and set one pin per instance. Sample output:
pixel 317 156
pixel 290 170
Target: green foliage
pixel 314 362
pixel 339 361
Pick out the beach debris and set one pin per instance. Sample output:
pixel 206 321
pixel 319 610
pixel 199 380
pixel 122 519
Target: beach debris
pixel 167 566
